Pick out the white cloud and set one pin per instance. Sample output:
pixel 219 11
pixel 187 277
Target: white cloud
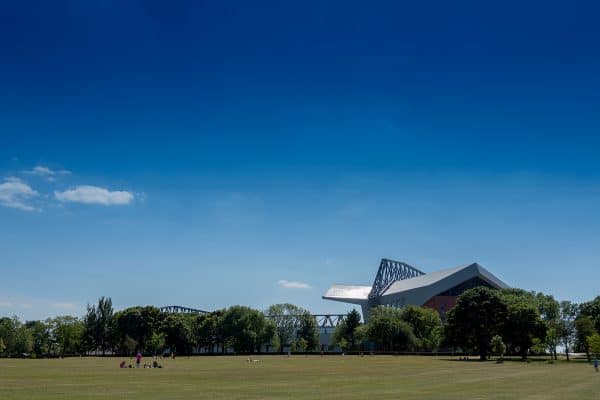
pixel 41 170
pixel 94 195
pixel 293 284
pixel 49 174
pixel 26 305
pixel 15 193
pixel 5 304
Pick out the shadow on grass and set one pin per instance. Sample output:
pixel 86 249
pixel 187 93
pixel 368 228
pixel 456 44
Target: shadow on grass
pixel 537 360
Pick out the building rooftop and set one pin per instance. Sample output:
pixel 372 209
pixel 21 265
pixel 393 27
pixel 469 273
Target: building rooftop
pixel 427 284
pixel 348 293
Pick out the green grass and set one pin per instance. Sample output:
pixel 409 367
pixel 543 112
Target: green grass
pixel 297 377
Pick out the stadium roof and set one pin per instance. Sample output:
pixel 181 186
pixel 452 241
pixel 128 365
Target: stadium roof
pixel 446 277
pixel 348 293
pixel 419 289
pixel 414 290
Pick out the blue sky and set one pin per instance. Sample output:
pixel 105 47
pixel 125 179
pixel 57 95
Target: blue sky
pixel 215 153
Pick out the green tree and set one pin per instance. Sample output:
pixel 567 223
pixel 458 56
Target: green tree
pixel 594 344
pixel 343 344
pixel 302 345
pixel 156 344
pixel 388 331
pixel 129 345
pixel 548 307
pixel 523 327
pixel 426 325
pixel 269 336
pixel 244 328
pixel 69 334
pixel 552 338
pixel 208 329
pixel 179 332
pixel 565 329
pixel 99 326
pixel 8 331
pixel 479 315
pixel 361 335
pixel 139 323
pixel 585 328
pixel 43 340
pixel 286 317
pixel 346 332
pixel 17 338
pixel 591 309
pixel 23 340
pixel 549 311
pixel 308 331
pixel 497 347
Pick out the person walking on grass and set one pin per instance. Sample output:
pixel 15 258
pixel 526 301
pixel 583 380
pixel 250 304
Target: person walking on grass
pixel 596 364
pixel 138 359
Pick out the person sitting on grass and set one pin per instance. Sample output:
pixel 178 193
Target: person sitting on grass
pixel 123 364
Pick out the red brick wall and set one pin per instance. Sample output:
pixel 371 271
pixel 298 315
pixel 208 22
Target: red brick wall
pixel 441 304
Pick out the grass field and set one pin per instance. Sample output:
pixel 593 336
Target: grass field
pixel 297 377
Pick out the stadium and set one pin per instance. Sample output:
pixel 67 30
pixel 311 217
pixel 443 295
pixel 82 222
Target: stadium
pixel 398 284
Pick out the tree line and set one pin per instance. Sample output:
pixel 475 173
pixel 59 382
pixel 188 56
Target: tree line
pixel 484 322
pixel 148 330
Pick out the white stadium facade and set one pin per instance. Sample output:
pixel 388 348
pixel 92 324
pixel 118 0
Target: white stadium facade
pixel 398 284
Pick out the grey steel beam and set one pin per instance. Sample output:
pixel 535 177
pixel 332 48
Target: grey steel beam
pixel 390 271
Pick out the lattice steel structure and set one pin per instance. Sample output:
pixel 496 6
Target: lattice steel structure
pixel 329 320
pixel 182 310
pixel 322 320
pixel 389 272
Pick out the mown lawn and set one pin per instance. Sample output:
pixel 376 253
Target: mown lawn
pixel 297 377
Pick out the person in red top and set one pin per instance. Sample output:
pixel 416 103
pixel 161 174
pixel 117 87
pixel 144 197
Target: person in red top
pixel 138 359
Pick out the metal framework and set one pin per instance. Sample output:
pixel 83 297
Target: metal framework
pixel 389 272
pixel 322 320
pixel 182 310
pixel 329 320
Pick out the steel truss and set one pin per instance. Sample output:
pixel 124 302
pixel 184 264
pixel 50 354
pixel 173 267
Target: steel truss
pixel 182 310
pixel 389 272
pixel 322 320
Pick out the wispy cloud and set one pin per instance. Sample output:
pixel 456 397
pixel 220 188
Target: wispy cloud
pixel 65 305
pixel 293 284
pixel 25 305
pixel 94 195
pixel 15 193
pixel 49 174
pixel 5 304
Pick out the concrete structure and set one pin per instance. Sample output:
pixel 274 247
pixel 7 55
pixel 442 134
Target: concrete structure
pixel 398 284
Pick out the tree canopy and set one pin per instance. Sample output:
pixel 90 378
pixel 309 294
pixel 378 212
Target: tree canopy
pixel 287 318
pixel 479 315
pixel 388 331
pixel 426 325
pixel 345 334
